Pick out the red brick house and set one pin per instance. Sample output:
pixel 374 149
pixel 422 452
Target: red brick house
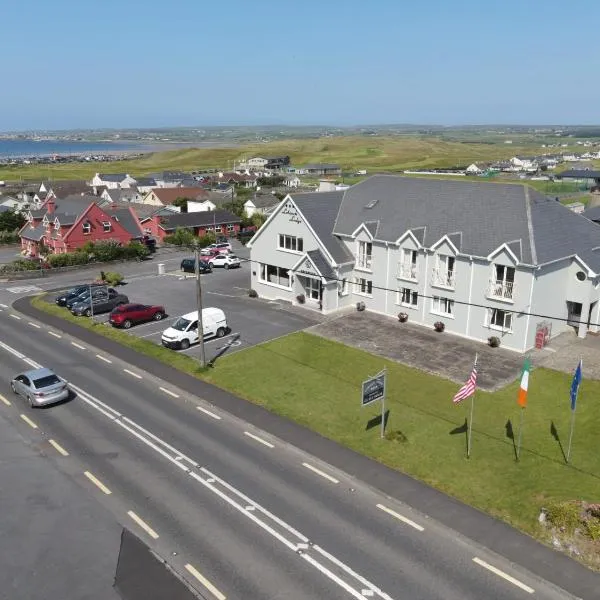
pixel 66 225
pixel 219 222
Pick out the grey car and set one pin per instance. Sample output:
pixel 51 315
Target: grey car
pixel 40 387
pixel 102 302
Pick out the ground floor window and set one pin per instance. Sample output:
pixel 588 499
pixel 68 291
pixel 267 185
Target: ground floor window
pixel 363 286
pixel 442 306
pixel 275 275
pixel 312 288
pixel 230 228
pixel 407 297
pixel 500 319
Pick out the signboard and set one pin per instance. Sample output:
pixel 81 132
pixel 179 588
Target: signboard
pixel 373 389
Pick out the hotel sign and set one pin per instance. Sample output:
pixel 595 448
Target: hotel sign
pixel 290 210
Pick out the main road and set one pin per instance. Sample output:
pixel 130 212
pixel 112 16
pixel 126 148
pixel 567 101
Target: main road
pixel 237 512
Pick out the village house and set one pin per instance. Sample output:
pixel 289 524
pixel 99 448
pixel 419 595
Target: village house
pixel 121 195
pixel 145 184
pixel 169 179
pixel 505 261
pixel 241 179
pixel 260 204
pixel 167 195
pixel 112 180
pixel 322 169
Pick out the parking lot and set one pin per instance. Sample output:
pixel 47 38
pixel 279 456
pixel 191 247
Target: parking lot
pixel 250 320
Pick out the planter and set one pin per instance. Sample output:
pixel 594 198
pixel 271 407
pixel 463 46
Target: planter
pixel 360 306
pixel 402 317
pixel 494 341
pixel 301 298
pixel 439 326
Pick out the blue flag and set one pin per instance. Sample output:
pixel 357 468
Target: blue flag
pixel 575 385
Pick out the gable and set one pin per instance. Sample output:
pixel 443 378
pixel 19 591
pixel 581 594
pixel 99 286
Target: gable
pixel 503 256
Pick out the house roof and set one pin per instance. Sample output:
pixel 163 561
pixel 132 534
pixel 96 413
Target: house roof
pixel 169 176
pixel 593 213
pixel 74 204
pixel 146 181
pixel 114 177
pixel 63 218
pixel 198 219
pixel 118 194
pixel 322 264
pixel 169 195
pixel 62 189
pixel 265 200
pixel 33 233
pixel 321 166
pixel 321 209
pixel 127 218
pixel 580 174
pixel 141 210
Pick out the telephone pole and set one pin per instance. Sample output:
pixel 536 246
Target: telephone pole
pixel 199 306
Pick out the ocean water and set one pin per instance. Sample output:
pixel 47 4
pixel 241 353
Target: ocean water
pixel 31 148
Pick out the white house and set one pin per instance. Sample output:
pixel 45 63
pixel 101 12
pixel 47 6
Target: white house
pixel 204 206
pixel 292 181
pixel 121 195
pixel 473 169
pixel 260 204
pixel 112 180
pixel 486 259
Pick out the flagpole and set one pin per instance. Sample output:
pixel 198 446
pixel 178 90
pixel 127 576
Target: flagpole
pixel 520 431
pixel 470 426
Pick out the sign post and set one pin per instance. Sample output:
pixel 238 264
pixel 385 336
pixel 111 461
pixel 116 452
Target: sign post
pixel 373 389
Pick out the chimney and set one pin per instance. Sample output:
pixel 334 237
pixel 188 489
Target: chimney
pixel 51 206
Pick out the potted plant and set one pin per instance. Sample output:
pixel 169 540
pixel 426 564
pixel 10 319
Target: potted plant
pixel 360 306
pixel 301 298
pixel 402 317
pixel 494 341
pixel 439 326
pixel 252 293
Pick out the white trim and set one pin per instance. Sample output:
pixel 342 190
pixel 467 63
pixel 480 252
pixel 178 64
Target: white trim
pixel 408 233
pixel 387 275
pixel 504 246
pixel 304 257
pixel 364 228
pixel 425 287
pixel 446 239
pixel 439 313
pixel 471 264
pixel 529 308
pixel 575 257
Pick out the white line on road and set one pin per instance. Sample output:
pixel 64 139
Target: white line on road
pixel 78 345
pixel 216 339
pixel 132 373
pixel 3 305
pixel 225 295
pixel 166 391
pixel 143 525
pixel 58 447
pixel 97 483
pixel 208 412
pixel 259 440
pixel 34 324
pixel 29 421
pixel 400 517
pixel 504 575
pixel 151 334
pixel 205 582
pixel 99 357
pixel 56 335
pixel 319 472
pixel 15 317
pixel 4 400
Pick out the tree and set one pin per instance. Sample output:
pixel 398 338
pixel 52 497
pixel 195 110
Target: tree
pixel 181 203
pixel 181 237
pixel 11 220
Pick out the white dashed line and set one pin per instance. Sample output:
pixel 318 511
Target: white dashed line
pixel 143 525
pixel 132 373
pixel 321 473
pixel 3 305
pixel 58 447
pixel 400 517
pixel 54 334
pixel 29 421
pixel 34 324
pixel 4 400
pixel 99 357
pixel 166 391
pixel 78 345
pixel 259 440
pixel 504 575
pixel 205 582
pixel 15 317
pixel 97 483
pixel 207 412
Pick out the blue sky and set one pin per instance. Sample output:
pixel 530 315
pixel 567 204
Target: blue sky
pixel 135 63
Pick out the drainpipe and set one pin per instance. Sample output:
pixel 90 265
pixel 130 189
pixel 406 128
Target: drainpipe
pixel 470 294
pixel 425 286
pixel 387 276
pixel 529 308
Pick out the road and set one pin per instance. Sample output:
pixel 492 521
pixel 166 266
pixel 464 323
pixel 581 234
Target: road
pixel 235 511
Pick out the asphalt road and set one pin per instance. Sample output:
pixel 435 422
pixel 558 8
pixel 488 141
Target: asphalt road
pixel 238 513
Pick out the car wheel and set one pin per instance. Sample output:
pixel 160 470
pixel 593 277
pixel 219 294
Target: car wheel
pixel 88 312
pixel 220 332
pixel 12 387
pixel 158 316
pixel 30 401
pixel 127 324
pixel 226 265
pixel 185 344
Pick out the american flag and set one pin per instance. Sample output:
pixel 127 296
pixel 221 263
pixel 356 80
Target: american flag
pixel 469 388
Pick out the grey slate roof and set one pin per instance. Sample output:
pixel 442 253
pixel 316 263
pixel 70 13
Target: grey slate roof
pixel 265 200
pixel 322 264
pixel 127 220
pixel 36 234
pixel 580 174
pixel 62 189
pixel 199 219
pixel 322 166
pixel 146 182
pixel 75 203
pixel 593 214
pixel 63 218
pixel 115 177
pixel 321 209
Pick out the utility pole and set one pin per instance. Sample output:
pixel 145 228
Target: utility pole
pixel 199 306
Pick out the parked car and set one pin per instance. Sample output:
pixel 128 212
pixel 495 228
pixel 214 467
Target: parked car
pixel 209 252
pixel 62 299
pixel 95 289
pixel 228 261
pixel 188 265
pixel 99 303
pixel 126 315
pixel 185 330
pixel 40 387
pixel 223 247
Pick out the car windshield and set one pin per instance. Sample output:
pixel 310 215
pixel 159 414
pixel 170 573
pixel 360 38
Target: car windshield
pixel 232 256
pixel 181 324
pixel 46 381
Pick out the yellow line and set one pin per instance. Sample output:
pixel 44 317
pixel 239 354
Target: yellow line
pixel 34 325
pixel 102 358
pixel 132 373
pixel 205 582
pixel 97 483
pixel 58 447
pixel 3 399
pixel 29 421
pixel 54 334
pixel 143 525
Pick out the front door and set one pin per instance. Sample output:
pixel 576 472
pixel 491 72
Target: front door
pixel 313 291
pixel 573 313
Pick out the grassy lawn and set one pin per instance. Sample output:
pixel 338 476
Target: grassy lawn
pixel 316 382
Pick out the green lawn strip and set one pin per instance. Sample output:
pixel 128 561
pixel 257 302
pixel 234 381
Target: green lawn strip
pixel 316 382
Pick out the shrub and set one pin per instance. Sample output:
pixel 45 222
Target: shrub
pixel 301 298
pixel 402 317
pixel 564 515
pixel 108 250
pixel 253 293
pixel 360 306
pixel 494 341
pixel 135 249
pixel 206 240
pixel 9 237
pixel 592 528
pixel 439 326
pixel 113 278
pixel 181 237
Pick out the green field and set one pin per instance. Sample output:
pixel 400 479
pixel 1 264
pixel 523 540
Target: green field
pixel 377 153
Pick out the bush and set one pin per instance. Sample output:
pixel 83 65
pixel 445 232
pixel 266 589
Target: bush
pixel 564 515
pixel 253 293
pixel 592 528
pixel 360 306
pixel 181 237
pixel 206 240
pixel 301 298
pixel 9 237
pixel 494 341
pixel 112 278
pixel 402 317
pixel 439 326
pixel 135 250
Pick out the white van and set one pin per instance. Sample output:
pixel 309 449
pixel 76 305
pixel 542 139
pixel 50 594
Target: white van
pixel 184 331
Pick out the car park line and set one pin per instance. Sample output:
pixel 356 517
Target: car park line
pixel 319 472
pixel 78 345
pixel 34 324
pixel 132 373
pixel 209 413
pixel 28 421
pixel 259 439
pixel 15 317
pixel 4 400
pixel 169 392
pixel 3 305
pixel 106 360
pixel 56 335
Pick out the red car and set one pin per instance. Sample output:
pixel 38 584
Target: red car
pixel 127 315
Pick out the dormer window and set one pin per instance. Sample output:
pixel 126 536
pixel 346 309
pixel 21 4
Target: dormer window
pixel 365 255
pixel 56 224
pixel 87 228
pixel 107 226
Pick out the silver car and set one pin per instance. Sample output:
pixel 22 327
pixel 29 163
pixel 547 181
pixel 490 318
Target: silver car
pixel 40 387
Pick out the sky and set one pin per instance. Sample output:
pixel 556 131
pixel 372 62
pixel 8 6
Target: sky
pixel 143 63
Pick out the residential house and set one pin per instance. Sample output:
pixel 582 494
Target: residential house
pixel 322 169
pixel 590 177
pixel 473 169
pixel 66 225
pixel 220 222
pixel 113 180
pixel 204 206
pixel 241 179
pixel 12 203
pixel 256 163
pixel 121 195
pixel 260 204
pixel 292 181
pixel 277 163
pixel 486 259
pixel 169 179
pixel 167 195
pixel 145 184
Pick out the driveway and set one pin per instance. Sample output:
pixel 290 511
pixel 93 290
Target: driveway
pixel 565 350
pixel 441 354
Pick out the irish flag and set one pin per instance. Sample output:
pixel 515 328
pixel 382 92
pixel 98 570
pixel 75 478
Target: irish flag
pixel 522 398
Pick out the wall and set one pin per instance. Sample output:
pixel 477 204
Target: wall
pixel 96 215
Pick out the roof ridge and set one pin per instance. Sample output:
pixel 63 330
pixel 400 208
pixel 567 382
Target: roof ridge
pixel 530 226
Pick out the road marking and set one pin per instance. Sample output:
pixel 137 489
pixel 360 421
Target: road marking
pixel 504 575
pixel 400 517
pixel 259 440
pixel 207 412
pixel 217 339
pixel 54 334
pixel 78 345
pixel 3 305
pixel 143 525
pixel 132 373
pixel 58 447
pixel 166 391
pixel 97 483
pixel 15 317
pixel 319 472
pixel 21 289
pixel 205 582
pixel 34 325
pixel 104 359
pixel 151 334
pixel 29 421
pixel 3 399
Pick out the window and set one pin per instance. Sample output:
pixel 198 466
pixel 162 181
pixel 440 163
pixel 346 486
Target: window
pixel 363 286
pixel 313 288
pixel 290 242
pixel 407 268
pixel 344 287
pixel 442 306
pixel 408 297
pixel 500 319
pixel 443 273
pixel 218 229
pixel 502 283
pixel 87 228
pixel 106 226
pixel 275 275
pixel 230 227
pixel 365 253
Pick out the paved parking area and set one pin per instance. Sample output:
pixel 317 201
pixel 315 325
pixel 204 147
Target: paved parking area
pixel 442 354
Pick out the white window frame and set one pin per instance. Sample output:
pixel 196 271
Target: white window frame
pixel 290 243
pixel 442 306
pixel 344 288
pixel 364 256
pixel 312 285
pixel 492 313
pixel 407 266
pixel 87 228
pixel 403 293
pixel 363 287
pixel 106 226
pixel 263 276
pixel 230 227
